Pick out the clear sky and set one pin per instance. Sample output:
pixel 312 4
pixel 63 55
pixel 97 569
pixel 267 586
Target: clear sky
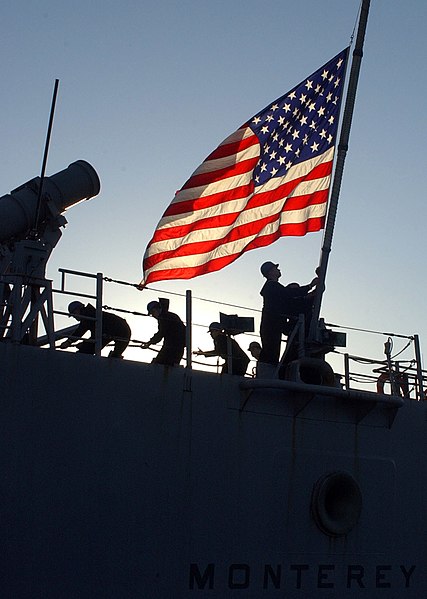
pixel 148 90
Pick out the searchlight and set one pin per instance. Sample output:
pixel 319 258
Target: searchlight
pixel 18 209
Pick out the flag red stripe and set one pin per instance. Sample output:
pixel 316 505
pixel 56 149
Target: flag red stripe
pixel 310 226
pixel 244 166
pixel 186 206
pixel 257 200
pixel 208 201
pixel 237 232
pixel 232 148
pixel 224 219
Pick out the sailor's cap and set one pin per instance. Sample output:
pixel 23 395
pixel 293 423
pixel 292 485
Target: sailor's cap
pixel 74 306
pixel 215 326
pixel 254 344
pixel 152 305
pixel 266 267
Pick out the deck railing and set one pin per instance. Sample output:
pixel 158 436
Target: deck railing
pixel 398 372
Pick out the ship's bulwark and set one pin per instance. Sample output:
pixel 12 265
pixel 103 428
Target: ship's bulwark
pixel 122 480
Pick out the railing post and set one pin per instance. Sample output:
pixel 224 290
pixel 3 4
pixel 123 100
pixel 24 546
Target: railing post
pixel 49 324
pixel 419 367
pixel 347 371
pixel 301 336
pixel 188 319
pixel 229 356
pixel 98 323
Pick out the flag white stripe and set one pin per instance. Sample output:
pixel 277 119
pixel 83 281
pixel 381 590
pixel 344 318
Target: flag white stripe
pixel 238 135
pixel 295 172
pixel 245 216
pixel 235 247
pixel 186 218
pixel 220 163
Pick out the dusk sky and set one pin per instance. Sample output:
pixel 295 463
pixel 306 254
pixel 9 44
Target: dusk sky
pixel 148 89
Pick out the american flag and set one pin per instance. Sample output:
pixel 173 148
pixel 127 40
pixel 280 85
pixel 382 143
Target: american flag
pixel 269 179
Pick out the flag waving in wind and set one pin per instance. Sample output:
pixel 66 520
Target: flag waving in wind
pixel 269 179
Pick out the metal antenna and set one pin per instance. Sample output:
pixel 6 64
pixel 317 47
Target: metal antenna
pixel 46 150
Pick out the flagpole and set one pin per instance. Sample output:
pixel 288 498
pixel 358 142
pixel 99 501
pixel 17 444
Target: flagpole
pixel 339 167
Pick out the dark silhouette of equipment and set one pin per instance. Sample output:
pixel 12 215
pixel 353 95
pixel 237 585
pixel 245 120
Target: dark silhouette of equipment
pixel 30 228
pixel 233 324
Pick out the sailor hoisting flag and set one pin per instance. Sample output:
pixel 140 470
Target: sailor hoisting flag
pixel 269 179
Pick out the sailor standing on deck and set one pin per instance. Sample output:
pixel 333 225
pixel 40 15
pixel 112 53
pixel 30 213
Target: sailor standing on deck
pixel 171 330
pixel 282 306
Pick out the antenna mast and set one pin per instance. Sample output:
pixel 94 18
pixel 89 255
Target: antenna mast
pixel 46 151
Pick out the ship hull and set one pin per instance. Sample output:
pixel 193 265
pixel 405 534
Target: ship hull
pixel 124 480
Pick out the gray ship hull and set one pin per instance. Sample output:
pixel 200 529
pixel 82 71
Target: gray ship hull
pixel 127 480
